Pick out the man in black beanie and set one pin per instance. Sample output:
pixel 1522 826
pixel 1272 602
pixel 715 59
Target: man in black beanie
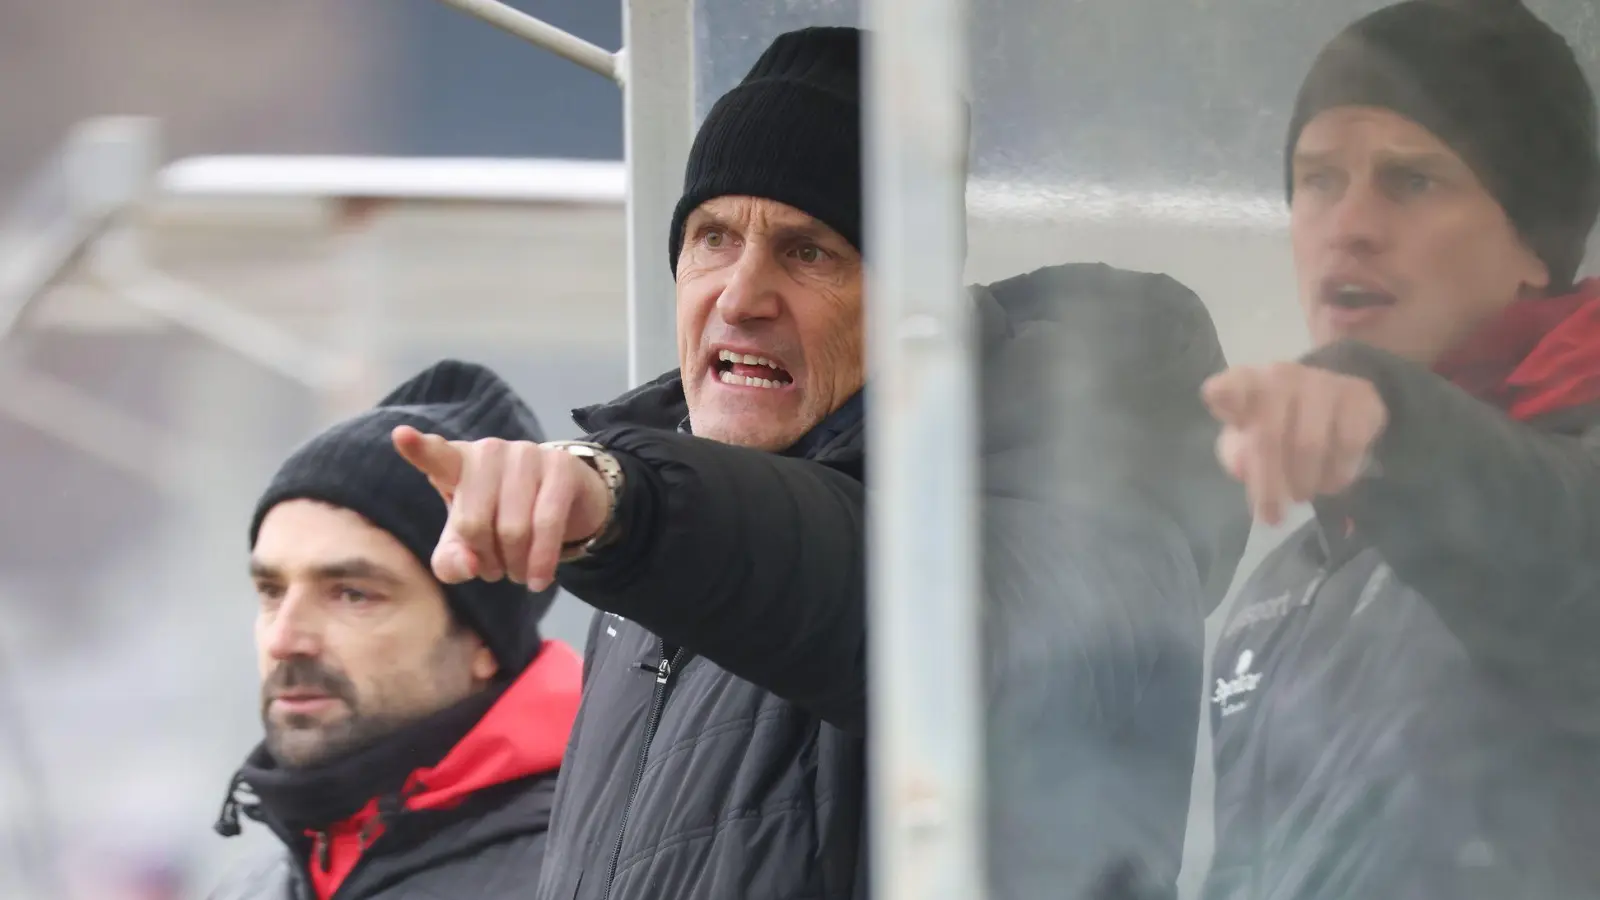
pixel 413 729
pixel 719 753
pixel 1407 700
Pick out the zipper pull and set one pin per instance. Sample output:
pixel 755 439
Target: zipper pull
pixel 321 850
pixel 663 670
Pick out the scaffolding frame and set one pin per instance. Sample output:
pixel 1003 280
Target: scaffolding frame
pixel 80 215
pixel 655 69
pixel 80 197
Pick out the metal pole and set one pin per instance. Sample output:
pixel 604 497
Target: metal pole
pixel 658 124
pixel 656 71
pixel 102 170
pixel 118 261
pixel 927 732
pixel 95 428
pixel 542 34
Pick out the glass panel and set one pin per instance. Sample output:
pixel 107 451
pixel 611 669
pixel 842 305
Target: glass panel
pixel 1150 135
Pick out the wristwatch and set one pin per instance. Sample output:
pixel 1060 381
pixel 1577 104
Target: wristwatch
pixel 605 464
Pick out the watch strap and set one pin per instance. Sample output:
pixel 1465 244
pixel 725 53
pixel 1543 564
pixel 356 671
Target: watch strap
pixel 606 465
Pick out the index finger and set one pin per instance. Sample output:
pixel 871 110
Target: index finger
pixel 431 454
pixel 1232 396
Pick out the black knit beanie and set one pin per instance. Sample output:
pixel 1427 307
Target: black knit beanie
pixel 354 465
pixel 1497 85
pixel 790 132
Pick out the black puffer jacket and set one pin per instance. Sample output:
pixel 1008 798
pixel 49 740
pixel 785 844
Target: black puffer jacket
pixel 720 749
pixel 1407 693
pixel 489 849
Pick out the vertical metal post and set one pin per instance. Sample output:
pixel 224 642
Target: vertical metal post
pixel 103 169
pixel 927 732
pixel 361 338
pixel 657 62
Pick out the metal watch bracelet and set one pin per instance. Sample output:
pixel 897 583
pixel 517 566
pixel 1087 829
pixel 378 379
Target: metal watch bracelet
pixel 609 469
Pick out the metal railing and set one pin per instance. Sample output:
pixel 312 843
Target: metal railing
pixel 655 69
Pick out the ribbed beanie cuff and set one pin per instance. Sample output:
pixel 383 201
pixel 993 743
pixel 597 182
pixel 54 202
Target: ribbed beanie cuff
pixel 790 132
pixel 354 465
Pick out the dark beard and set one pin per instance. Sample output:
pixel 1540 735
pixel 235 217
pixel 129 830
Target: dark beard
pixel 326 742
pixel 316 796
pixel 299 742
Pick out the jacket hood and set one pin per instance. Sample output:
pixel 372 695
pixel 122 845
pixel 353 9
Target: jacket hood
pixel 524 734
pixel 1092 394
pixel 1540 358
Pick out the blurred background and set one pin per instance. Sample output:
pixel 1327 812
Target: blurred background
pixel 133 448
pixel 147 394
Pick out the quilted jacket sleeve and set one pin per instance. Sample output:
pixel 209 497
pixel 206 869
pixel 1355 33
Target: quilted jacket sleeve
pixel 753 560
pixel 1494 522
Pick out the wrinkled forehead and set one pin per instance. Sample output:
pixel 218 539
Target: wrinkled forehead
pixel 756 215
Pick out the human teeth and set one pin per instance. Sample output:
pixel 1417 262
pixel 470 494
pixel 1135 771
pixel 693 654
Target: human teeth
pixel 747 359
pixel 1356 290
pixel 747 381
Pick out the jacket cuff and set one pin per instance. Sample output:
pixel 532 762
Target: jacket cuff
pixel 633 527
pixel 1411 395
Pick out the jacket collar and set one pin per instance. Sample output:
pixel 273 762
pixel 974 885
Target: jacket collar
pixel 838 439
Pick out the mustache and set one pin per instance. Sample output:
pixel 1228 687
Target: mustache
pixel 305 673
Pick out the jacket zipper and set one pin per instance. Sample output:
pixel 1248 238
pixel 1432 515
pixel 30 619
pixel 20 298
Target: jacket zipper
pixel 1310 597
pixel 321 851
pixel 664 671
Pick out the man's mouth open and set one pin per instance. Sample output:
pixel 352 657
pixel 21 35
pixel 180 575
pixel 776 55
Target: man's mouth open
pixel 1352 296
pixel 750 370
pixel 1353 304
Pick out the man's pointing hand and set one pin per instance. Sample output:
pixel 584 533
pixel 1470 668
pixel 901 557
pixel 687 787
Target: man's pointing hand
pixel 513 505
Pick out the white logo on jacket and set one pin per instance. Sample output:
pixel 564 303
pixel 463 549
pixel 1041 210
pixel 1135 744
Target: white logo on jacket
pixel 1267 610
pixel 610 628
pixel 1243 682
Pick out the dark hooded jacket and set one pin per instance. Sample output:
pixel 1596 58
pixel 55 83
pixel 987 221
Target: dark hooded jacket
pixel 472 825
pixel 720 748
pixel 1407 693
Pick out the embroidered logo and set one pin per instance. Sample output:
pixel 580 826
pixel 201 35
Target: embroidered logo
pixel 1243 682
pixel 1268 610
